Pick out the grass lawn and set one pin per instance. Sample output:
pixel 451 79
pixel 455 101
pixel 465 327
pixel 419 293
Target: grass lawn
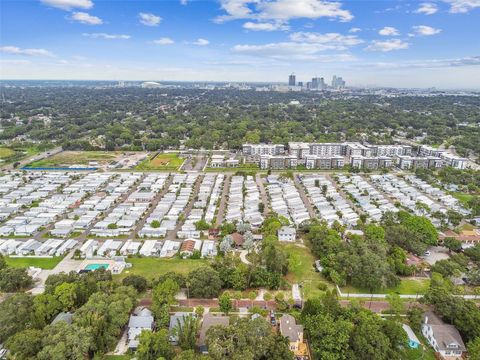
pixel 6 152
pixel 67 158
pixel 152 268
pixel 406 287
pixel 43 263
pixel 464 198
pixel 466 226
pixel 417 354
pixel 164 161
pixel 301 270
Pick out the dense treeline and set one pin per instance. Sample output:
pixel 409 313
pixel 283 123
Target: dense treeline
pixel 101 309
pixel 135 118
pixel 351 333
pixel 375 260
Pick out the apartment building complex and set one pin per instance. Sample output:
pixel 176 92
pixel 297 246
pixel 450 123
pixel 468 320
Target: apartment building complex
pixel 355 154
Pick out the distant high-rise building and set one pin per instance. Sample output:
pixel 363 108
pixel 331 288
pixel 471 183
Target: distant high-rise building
pixel 321 84
pixel 300 84
pixel 292 80
pixel 338 82
pixel 315 82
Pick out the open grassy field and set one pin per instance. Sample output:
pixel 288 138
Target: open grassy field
pixel 164 161
pixel 68 158
pixel 6 152
pixel 464 198
pixel 24 262
pixel 301 270
pixel 152 268
pixel 406 287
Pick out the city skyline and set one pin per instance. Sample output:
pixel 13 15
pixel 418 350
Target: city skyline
pixel 396 43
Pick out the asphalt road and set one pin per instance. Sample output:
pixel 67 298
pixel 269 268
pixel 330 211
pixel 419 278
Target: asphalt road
pixel 37 157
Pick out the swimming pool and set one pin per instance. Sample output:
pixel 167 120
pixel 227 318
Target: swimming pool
pixel 96 266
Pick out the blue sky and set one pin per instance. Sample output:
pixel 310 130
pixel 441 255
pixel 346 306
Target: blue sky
pixel 388 43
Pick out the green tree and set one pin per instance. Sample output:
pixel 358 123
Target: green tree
pixel 66 294
pixel 25 344
pixel 45 307
pixel 15 315
pixel 225 303
pixel 3 262
pixel 246 339
pixel 155 224
pixel 154 345
pixel 329 337
pixel 202 225
pixel 14 279
pixel 452 244
pixel 137 281
pixel 397 306
pixel 164 294
pixel 474 349
pixel 62 341
pixel 186 332
pixel 204 283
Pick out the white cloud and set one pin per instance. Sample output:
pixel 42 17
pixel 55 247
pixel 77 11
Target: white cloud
pixel 201 42
pixel 69 4
pixel 354 30
pixel 336 40
pixel 85 18
pixel 14 62
pixel 107 36
pixel 164 41
pixel 27 52
pixel 292 51
pixel 389 31
pixel 184 2
pixel 427 9
pixel 149 19
pixel 265 26
pixel 387 45
pixel 424 30
pixel 282 10
pixel 427 64
pixel 462 6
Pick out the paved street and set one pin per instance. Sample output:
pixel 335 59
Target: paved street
pixel 263 194
pixel 306 202
pixel 37 157
pixel 172 234
pixel 152 207
pixel 223 200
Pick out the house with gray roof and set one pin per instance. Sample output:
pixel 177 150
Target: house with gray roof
pixel 210 320
pixel 177 320
pixel 294 334
pixel 140 320
pixel 444 338
pixel 64 316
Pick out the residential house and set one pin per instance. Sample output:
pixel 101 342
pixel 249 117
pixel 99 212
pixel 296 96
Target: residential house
pixel 413 341
pixel 444 338
pixel 176 320
pixel 140 320
pixel 210 320
pixel 287 233
pixel 294 333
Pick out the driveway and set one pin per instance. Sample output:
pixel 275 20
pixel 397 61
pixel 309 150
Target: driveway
pixel 66 265
pixel 436 253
